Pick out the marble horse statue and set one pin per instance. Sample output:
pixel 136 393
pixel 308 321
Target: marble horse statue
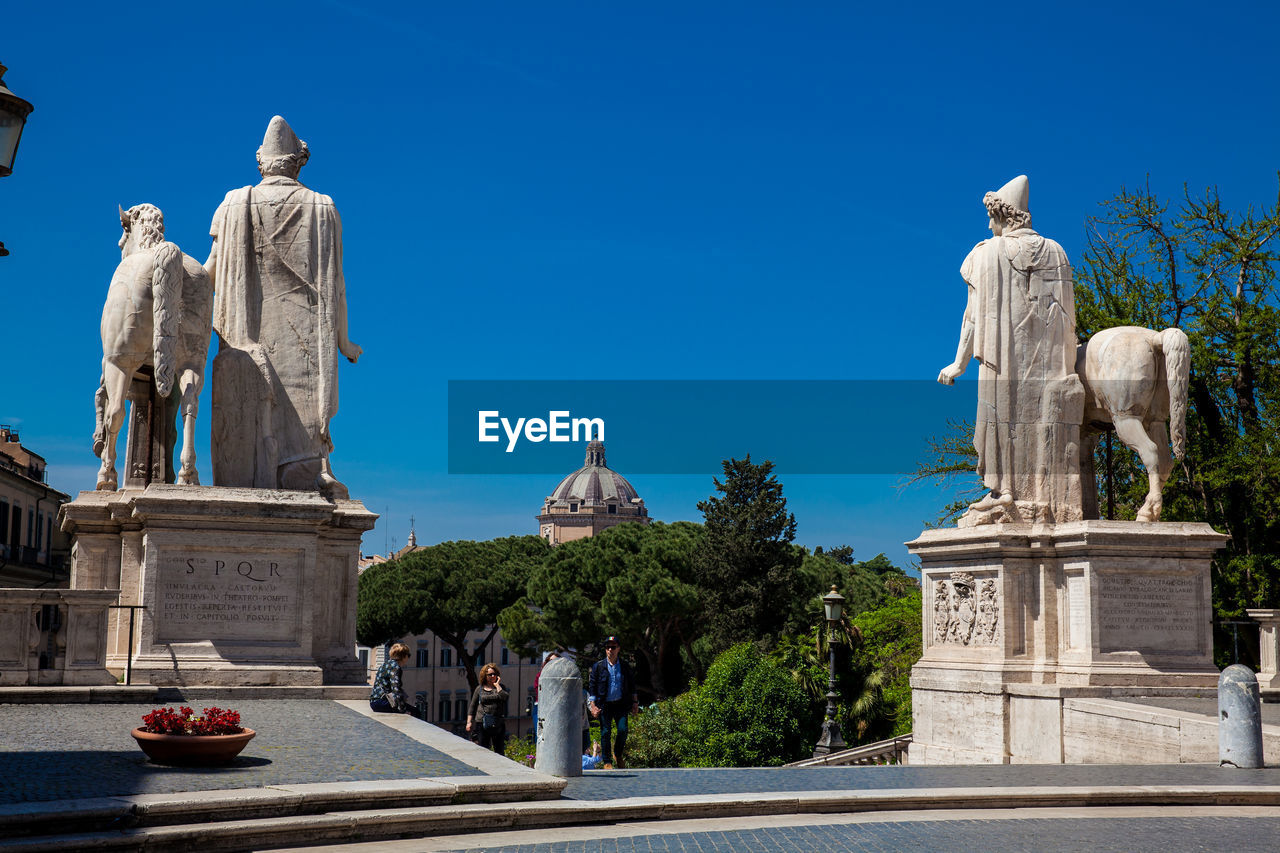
pixel 1135 379
pixel 159 313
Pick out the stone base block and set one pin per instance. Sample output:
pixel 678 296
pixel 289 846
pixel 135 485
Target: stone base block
pixel 1018 618
pixel 237 587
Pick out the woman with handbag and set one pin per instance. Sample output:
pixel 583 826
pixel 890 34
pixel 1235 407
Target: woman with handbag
pixel 387 694
pixel 487 710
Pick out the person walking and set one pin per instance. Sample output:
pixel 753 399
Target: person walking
pixel 611 696
pixel 488 709
pixel 388 695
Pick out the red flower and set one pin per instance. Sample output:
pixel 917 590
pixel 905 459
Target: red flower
pixel 213 721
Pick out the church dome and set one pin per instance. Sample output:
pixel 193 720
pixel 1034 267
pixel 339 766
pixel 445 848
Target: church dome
pixel 594 484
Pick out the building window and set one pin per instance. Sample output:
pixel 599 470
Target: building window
pixel 39 530
pixel 364 660
pixel 446 657
pixel 480 650
pixel 460 706
pixel 15 530
pixel 573 507
pixel 445 707
pixel 4 522
pixel 424 658
pixel 31 523
pixel 504 655
pixel 613 509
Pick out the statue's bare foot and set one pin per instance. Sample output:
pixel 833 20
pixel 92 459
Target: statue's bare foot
pixel 991 501
pixel 331 488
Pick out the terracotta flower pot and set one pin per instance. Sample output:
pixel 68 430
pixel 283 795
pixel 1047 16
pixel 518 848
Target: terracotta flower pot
pixel 191 749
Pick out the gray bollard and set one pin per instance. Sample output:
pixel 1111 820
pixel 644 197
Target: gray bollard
pixel 560 719
pixel 1239 718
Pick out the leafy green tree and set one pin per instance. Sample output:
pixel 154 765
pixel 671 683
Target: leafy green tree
pixel 635 581
pixel 891 641
pixel 450 589
pixel 747 713
pixel 1212 272
pixel 865 584
pixel 748 569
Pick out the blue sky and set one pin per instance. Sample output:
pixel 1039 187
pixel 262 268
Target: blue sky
pixel 603 190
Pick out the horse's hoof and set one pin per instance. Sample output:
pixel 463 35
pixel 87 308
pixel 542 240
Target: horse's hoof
pixel 191 479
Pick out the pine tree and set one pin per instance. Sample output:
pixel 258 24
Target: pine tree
pixel 748 567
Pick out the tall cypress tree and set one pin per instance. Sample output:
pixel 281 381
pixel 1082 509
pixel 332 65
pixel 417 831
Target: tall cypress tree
pixel 748 568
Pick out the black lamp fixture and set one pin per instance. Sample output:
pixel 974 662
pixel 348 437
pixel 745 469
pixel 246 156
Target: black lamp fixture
pixel 831 741
pixel 13 117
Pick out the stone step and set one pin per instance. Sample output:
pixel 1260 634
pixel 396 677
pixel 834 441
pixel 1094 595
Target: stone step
pixel 61 817
pixel 387 820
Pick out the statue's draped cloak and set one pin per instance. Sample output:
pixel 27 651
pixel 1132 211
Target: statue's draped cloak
pixel 279 299
pixel 1030 400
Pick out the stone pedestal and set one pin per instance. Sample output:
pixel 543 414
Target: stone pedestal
pixel 1018 618
pixel 1269 637
pixel 239 586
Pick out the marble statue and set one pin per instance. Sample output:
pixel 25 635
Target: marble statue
pixel 281 316
pixel 1019 323
pixel 1137 380
pixel 158 314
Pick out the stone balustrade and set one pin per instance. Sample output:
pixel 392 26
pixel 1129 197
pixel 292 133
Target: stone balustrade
pixel 54 636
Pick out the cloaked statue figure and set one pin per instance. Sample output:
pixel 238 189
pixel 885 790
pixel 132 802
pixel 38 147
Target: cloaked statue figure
pixel 280 312
pixel 1019 323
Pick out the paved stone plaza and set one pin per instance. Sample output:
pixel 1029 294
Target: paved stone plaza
pixel 352 771
pixel 1097 835
pixel 66 752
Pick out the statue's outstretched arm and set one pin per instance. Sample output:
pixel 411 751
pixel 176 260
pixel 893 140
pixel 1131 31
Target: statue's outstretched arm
pixel 213 258
pixel 964 350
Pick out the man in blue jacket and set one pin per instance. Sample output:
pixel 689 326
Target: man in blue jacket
pixel 611 695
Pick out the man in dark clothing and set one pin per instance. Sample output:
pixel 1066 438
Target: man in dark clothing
pixel 611 691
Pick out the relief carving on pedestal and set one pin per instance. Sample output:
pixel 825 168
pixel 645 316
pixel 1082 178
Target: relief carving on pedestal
pixel 964 613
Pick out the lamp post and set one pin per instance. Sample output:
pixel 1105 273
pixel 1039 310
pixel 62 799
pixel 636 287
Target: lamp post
pixel 13 117
pixel 833 604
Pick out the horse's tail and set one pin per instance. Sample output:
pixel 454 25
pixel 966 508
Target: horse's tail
pixel 166 312
pixel 1177 369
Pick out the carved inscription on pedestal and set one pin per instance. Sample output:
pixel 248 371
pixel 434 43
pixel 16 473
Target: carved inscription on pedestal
pixel 210 594
pixel 1139 612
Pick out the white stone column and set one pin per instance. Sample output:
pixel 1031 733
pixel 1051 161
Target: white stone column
pixel 1269 636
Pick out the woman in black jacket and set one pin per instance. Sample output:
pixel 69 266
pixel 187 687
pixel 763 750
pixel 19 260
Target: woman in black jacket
pixel 486 710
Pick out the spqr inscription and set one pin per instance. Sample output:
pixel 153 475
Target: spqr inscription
pixel 226 596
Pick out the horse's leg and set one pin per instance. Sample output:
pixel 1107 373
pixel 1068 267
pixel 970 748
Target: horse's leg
pixel 115 382
pixel 1132 433
pixel 1159 432
pixel 189 384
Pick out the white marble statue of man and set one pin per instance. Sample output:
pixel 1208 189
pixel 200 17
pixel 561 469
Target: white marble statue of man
pixel 280 311
pixel 1019 323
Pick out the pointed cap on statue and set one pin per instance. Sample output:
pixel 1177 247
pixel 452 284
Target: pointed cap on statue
pixel 1016 193
pixel 280 140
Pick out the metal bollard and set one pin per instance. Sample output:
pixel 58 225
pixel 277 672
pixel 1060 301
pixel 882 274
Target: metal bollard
pixel 1239 718
pixel 560 719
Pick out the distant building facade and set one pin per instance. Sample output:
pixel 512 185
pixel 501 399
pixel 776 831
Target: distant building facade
pixel 436 682
pixel 33 551
pixel 589 500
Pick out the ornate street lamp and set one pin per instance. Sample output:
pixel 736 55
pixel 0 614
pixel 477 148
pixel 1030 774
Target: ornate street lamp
pixel 13 117
pixel 833 604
